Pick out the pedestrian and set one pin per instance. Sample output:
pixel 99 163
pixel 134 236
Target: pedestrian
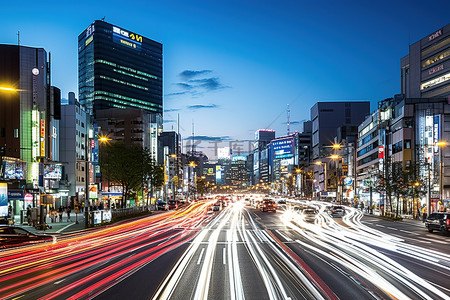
pixel 68 214
pixel 60 213
pixel 29 214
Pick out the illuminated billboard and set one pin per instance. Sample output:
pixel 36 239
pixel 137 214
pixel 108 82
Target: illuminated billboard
pixel 283 148
pixel 3 199
pixel 239 158
pixel 13 170
pixel 127 38
pixel 52 172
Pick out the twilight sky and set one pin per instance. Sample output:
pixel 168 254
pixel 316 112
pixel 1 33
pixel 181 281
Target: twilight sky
pixel 233 66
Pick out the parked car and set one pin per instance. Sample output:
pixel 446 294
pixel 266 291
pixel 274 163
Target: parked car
pixel 14 236
pixel 161 205
pixel 309 214
pixel 268 205
pixel 438 221
pixel 172 204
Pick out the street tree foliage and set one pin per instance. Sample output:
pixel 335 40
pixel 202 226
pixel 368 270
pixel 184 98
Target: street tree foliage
pixel 154 178
pixel 401 183
pixel 128 166
pixel 202 186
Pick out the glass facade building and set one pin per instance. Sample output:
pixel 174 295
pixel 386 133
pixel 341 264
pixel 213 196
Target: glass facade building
pixel 118 68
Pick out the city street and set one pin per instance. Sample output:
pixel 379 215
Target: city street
pixel 236 253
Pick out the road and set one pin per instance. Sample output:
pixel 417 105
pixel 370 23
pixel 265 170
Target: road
pixel 237 253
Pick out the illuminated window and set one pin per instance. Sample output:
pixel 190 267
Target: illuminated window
pixel 436 58
pixel 435 81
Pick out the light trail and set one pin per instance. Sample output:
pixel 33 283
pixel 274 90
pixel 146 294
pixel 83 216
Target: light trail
pixel 356 247
pixel 113 252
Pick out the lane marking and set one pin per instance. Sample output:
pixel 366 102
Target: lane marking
pixel 392 228
pixel 224 256
pixel 67 226
pixel 379 225
pixel 59 281
pixel 200 257
pixel 284 236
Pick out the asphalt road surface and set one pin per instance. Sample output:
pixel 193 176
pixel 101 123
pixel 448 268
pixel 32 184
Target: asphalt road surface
pixel 236 253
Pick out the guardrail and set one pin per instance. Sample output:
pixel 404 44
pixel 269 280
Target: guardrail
pixel 121 212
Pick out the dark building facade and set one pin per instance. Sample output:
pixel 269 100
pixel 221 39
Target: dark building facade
pixel 425 71
pixel 118 68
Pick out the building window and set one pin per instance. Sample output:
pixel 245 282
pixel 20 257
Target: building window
pixel 407 144
pixel 397 147
pixel 435 81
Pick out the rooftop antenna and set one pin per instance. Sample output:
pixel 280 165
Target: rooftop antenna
pixel 288 120
pixel 193 137
pixel 18 37
pixel 103 19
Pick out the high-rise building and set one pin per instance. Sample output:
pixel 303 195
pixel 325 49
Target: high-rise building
pixel 29 124
pixel 74 143
pixel 118 68
pixel 425 70
pixel 260 168
pixel 327 117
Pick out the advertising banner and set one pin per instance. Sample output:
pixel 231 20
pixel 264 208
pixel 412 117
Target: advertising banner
pixel 3 199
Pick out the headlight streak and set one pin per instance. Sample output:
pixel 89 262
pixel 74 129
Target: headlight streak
pixel 236 289
pixel 53 263
pixel 364 260
pixel 202 289
pixel 168 286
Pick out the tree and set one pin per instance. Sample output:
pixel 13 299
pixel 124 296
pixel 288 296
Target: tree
pixel 155 178
pixel 125 165
pixel 202 186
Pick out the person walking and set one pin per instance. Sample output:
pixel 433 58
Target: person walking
pixel 68 213
pixel 29 214
pixel 60 213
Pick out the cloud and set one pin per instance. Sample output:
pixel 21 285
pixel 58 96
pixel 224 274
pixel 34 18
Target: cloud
pixel 185 86
pixel 172 109
pixel 195 83
pixel 200 106
pixel 295 122
pixel 189 74
pixel 208 138
pixel 209 84
pixel 177 94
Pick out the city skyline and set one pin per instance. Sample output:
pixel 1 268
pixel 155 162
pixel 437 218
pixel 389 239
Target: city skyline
pixel 248 58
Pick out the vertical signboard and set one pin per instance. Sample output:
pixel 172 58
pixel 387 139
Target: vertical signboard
pixel 42 135
pixel 3 199
pixel 436 132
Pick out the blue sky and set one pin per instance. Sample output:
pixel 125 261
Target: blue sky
pixel 245 60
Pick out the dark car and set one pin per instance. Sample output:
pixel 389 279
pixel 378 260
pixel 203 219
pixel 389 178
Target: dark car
pixel 160 205
pixel 173 204
pixel 14 236
pixel 438 221
pixel 268 205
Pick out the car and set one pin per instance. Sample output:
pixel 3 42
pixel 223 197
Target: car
pixel 268 205
pixel 336 211
pixel 15 236
pixel 309 214
pixel 217 206
pixel 172 204
pixel 438 221
pixel 161 205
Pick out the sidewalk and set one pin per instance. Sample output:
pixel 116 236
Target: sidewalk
pixel 406 219
pixel 60 227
